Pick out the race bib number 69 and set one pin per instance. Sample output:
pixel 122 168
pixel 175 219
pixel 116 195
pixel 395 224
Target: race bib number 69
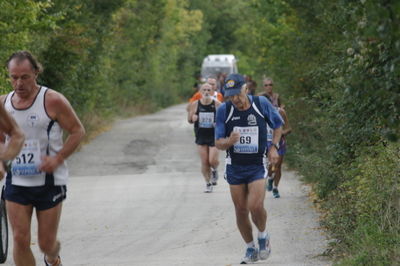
pixel 248 141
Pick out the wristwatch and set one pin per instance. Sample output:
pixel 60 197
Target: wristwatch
pixel 276 145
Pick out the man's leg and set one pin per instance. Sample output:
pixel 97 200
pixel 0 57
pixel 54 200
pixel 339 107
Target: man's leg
pixel 205 166
pixel 239 198
pixel 48 221
pixel 20 217
pixel 213 157
pixel 259 216
pixel 278 171
pixel 214 162
pixel 256 196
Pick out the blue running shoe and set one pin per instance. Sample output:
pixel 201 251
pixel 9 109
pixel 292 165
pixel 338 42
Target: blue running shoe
pixel 265 248
pixel 251 256
pixel 269 185
pixel 275 193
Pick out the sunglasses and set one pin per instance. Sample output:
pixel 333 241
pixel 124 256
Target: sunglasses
pixel 266 85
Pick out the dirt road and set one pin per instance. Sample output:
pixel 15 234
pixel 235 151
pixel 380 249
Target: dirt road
pixel 136 197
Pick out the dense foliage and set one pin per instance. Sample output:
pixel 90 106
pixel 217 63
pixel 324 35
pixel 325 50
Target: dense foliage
pixel 335 63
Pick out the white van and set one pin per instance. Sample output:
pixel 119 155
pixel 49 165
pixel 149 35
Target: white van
pixel 214 64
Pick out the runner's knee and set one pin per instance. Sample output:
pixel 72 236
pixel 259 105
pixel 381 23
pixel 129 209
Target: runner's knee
pixel 47 244
pixel 205 163
pixel 256 208
pixel 22 240
pixel 214 162
pixel 241 209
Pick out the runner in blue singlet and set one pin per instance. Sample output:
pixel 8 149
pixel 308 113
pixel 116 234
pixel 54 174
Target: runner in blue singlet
pixel 241 131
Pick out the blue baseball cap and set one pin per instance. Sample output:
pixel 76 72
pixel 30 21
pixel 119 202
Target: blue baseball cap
pixel 233 84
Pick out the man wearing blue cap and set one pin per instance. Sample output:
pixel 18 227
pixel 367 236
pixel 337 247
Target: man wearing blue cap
pixel 241 131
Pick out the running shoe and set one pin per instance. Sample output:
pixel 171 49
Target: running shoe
pixel 209 188
pixel 264 247
pixel 275 193
pixel 214 177
pixel 251 256
pixel 57 263
pixel 269 185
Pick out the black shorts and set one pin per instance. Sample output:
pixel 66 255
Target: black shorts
pixel 208 142
pixel 42 197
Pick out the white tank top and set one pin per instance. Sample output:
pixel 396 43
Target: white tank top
pixel 43 136
pixel 215 96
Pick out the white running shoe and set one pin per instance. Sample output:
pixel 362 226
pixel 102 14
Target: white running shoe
pixel 251 256
pixel 209 188
pixel 265 247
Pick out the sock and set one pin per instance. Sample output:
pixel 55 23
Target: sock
pixel 250 244
pixel 275 186
pixel 262 234
pixel 48 263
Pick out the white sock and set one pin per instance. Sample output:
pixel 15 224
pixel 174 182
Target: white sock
pixel 49 262
pixel 275 186
pixel 262 234
pixel 250 244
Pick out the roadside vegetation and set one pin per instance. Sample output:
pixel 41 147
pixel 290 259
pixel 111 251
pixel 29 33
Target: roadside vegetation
pixel 335 64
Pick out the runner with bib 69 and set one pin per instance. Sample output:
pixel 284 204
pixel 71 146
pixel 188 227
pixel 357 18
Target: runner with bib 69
pixel 241 130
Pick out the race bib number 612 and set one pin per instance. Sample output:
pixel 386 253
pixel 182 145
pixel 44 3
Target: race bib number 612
pixel 28 160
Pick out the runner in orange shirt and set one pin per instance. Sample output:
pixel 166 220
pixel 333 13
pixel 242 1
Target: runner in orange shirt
pixel 216 95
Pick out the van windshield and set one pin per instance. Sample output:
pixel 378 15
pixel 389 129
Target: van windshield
pixel 214 71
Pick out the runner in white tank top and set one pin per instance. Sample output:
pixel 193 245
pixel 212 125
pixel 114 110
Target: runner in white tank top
pixel 38 175
pixel 43 136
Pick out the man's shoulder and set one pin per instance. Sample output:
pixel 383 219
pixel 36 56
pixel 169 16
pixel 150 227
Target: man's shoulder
pixel 194 104
pixel 3 98
pixel 57 100
pixel 52 95
pixel 263 99
pixel 222 108
pixel 195 97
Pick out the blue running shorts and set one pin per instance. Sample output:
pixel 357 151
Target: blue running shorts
pixel 244 174
pixel 42 198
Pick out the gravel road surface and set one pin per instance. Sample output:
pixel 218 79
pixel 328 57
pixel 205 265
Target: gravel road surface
pixel 135 197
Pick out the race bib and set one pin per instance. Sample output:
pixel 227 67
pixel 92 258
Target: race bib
pixel 28 160
pixel 248 141
pixel 206 119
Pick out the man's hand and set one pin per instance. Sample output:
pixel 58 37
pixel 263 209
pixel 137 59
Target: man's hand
pixel 194 118
pixel 234 137
pixel 50 163
pixel 273 156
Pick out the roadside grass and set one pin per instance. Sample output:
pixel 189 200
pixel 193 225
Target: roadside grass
pixel 362 214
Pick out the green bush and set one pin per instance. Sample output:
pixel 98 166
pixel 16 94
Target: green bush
pixel 364 212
